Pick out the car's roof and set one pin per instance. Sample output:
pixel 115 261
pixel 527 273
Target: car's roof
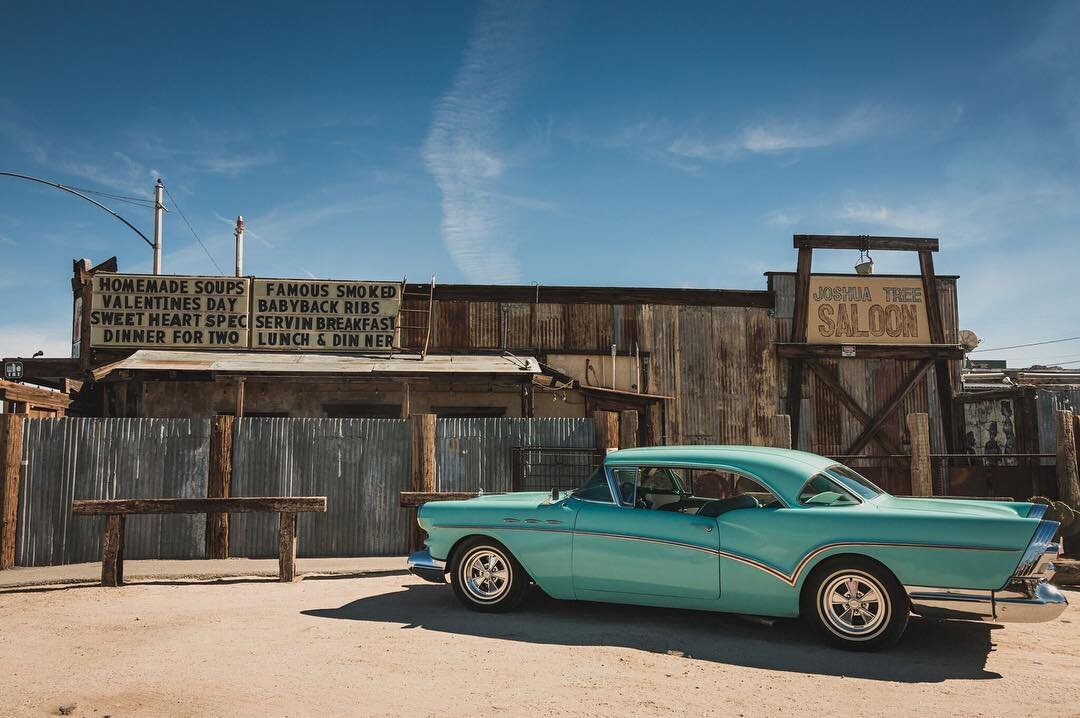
pixel 785 469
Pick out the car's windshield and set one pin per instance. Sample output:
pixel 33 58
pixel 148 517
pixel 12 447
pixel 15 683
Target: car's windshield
pixel 595 488
pixel 854 482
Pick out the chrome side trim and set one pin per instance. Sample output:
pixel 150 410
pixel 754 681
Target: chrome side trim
pixel 955 603
pixel 791 579
pixel 423 565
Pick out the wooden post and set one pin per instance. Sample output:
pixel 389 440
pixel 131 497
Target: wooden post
pixel 628 428
pixel 798 335
pixel 422 477
pixel 286 546
pixel 112 551
pixel 780 431
pixel 654 424
pixel 219 484
pixel 922 475
pixel 1067 477
pixel 527 406
pixel 11 441
pixel 607 431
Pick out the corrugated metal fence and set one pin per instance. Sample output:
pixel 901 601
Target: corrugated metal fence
pixel 472 454
pixel 360 465
pixel 66 459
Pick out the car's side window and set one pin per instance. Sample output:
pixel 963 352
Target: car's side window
pixel 626 483
pixel 688 490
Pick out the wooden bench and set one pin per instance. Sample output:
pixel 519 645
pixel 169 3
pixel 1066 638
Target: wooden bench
pixel 116 512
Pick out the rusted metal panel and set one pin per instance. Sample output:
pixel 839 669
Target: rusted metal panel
pixel 826 412
pixel 519 324
pixel 728 397
pixel 450 328
pixel 626 326
pixel 762 394
pixel 783 288
pixel 475 454
pixel 485 325
pixel 698 376
pixel 360 465
pixel 550 326
pixel 86 458
pixel 590 327
pixel 413 320
pixel 659 338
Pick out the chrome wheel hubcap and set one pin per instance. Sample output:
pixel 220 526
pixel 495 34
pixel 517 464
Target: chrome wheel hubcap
pixel 485 575
pixel 853 604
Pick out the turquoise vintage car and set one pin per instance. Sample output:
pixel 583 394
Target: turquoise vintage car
pixel 748 530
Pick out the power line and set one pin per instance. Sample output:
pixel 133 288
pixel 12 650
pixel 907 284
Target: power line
pixel 1033 344
pixel 118 197
pixel 193 234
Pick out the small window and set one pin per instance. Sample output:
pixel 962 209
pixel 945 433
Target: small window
pixel 824 491
pixel 595 488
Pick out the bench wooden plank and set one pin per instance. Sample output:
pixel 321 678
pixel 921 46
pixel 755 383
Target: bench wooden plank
pixel 245 504
pixel 413 499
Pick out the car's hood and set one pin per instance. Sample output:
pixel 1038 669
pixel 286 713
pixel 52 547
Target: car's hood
pixel 957 507
pixel 516 498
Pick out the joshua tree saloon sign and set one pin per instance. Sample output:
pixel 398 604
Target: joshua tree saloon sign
pixel 846 309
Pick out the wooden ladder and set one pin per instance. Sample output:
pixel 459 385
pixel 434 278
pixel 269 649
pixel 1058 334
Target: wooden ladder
pixel 417 318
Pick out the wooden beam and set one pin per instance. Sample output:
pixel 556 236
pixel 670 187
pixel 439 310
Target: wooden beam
pixel 415 499
pixel 890 406
pixel 796 370
pixel 606 424
pixel 922 476
pixel 531 294
pixel 780 431
pixel 112 551
pixel 423 470
pixel 13 391
pixel 908 352
pixel 287 546
pixel 873 243
pixel 942 371
pixel 845 399
pixel 235 505
pixel 1068 476
pixel 219 484
pixel 11 441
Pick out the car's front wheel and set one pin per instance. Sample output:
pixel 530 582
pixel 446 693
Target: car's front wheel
pixel 856 604
pixel 486 577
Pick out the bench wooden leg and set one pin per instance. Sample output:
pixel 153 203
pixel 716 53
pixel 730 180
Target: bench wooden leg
pixel 287 546
pixel 112 551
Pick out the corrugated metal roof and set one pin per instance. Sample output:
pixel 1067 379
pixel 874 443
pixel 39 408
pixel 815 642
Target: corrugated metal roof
pixel 261 362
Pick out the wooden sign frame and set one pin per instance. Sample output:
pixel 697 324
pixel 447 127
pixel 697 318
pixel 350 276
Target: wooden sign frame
pixel 802 355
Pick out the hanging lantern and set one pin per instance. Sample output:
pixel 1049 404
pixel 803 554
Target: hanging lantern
pixel 865 265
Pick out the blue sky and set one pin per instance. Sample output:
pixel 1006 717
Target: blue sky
pixel 663 144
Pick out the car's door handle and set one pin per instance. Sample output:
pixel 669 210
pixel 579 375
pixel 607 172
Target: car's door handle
pixel 708 527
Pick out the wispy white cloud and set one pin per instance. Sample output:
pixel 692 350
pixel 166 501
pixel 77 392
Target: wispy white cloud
pixel 776 136
pixel 234 164
pixel 462 150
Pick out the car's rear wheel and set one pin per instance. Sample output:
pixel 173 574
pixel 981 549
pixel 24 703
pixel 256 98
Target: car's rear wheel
pixel 486 577
pixel 856 604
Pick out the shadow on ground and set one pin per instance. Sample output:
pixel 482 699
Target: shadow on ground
pixel 197 581
pixel 930 651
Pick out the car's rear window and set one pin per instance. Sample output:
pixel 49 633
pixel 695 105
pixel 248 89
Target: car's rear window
pixel 854 482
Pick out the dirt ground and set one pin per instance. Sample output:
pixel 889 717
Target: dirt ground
pixel 393 645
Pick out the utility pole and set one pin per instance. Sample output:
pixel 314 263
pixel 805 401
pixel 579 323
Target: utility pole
pixel 239 234
pixel 159 215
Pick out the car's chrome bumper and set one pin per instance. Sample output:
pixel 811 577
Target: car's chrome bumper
pixel 1019 602
pixel 423 565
